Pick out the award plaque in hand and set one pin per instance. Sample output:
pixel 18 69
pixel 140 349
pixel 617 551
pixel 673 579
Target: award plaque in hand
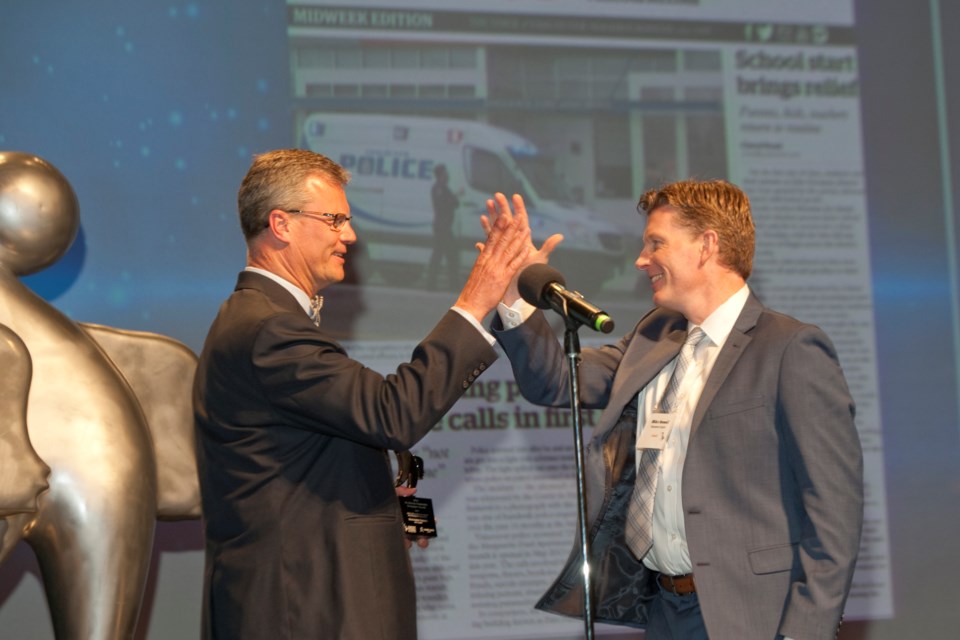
pixel 418 518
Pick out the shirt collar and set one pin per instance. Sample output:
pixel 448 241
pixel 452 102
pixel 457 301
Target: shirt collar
pixel 719 324
pixel 301 297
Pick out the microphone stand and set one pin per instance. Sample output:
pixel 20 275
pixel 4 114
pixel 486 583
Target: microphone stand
pixel 571 344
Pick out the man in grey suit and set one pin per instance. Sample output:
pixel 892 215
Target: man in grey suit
pixel 756 482
pixel 302 525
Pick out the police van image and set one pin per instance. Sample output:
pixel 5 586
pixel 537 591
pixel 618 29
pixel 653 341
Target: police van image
pixel 392 160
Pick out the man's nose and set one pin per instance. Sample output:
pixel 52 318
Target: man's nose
pixel 642 262
pixel 347 234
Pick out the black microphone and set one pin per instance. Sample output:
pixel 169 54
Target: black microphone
pixel 543 286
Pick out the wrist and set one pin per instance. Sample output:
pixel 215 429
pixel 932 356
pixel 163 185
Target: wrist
pixel 472 310
pixel 511 295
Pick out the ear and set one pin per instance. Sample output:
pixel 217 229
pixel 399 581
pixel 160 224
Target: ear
pixel 279 225
pixel 710 248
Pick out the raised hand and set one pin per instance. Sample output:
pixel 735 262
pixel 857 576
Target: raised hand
pixel 498 207
pixel 504 253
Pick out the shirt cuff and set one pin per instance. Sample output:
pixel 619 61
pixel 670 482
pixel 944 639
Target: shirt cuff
pixel 516 314
pixel 469 318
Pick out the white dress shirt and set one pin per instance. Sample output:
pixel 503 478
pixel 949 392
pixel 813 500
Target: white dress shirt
pixel 669 553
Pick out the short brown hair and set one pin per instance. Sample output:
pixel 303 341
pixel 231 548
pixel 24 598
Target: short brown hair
pixel 712 204
pixel 276 180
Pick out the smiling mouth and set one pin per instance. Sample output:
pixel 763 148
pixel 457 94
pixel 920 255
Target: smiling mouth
pixel 656 278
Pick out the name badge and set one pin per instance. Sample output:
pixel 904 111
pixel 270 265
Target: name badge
pixel 655 431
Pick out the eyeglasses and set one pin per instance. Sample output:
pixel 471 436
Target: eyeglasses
pixel 336 220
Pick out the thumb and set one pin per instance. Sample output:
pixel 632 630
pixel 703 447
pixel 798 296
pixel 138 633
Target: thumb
pixel 550 244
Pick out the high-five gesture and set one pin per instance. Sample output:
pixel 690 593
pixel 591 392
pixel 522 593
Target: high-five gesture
pixel 502 255
pixel 497 208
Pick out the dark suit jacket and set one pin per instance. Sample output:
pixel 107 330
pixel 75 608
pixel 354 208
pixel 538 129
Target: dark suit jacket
pixel 772 483
pixel 303 534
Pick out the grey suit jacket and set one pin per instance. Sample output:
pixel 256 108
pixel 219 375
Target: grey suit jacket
pixel 302 526
pixel 772 483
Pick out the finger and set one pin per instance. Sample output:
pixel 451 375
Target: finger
pixel 519 208
pixel 550 244
pixel 501 229
pixel 503 206
pixel 485 223
pixel 497 208
pixel 491 208
pixel 423 542
pixel 520 216
pixel 503 239
pixel 509 235
pixel 516 247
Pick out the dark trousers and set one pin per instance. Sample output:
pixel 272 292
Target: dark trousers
pixel 674 617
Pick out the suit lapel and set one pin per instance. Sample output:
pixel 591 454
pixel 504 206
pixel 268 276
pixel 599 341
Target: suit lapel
pixel 647 356
pixel 642 361
pixel 640 366
pixel 733 348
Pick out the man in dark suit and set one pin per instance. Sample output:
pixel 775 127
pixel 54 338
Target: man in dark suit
pixel 756 483
pixel 302 525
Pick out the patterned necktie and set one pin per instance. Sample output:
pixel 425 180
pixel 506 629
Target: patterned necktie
pixel 316 303
pixel 639 532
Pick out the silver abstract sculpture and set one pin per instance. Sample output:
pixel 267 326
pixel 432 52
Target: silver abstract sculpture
pixel 96 427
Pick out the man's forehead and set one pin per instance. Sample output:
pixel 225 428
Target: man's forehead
pixel 321 182
pixel 666 219
pixel 662 216
pixel 319 186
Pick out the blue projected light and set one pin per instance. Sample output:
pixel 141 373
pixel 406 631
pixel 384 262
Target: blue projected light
pixel 56 279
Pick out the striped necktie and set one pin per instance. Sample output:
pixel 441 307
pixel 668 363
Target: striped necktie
pixel 639 533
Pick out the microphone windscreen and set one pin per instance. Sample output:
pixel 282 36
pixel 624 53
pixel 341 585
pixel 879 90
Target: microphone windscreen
pixel 534 279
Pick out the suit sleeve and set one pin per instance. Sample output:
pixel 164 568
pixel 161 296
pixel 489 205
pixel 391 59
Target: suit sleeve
pixel 817 415
pixel 311 380
pixel 542 370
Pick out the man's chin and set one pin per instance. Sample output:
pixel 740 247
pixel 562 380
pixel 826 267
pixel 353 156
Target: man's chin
pixel 337 277
pixel 663 301
pixel 332 279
